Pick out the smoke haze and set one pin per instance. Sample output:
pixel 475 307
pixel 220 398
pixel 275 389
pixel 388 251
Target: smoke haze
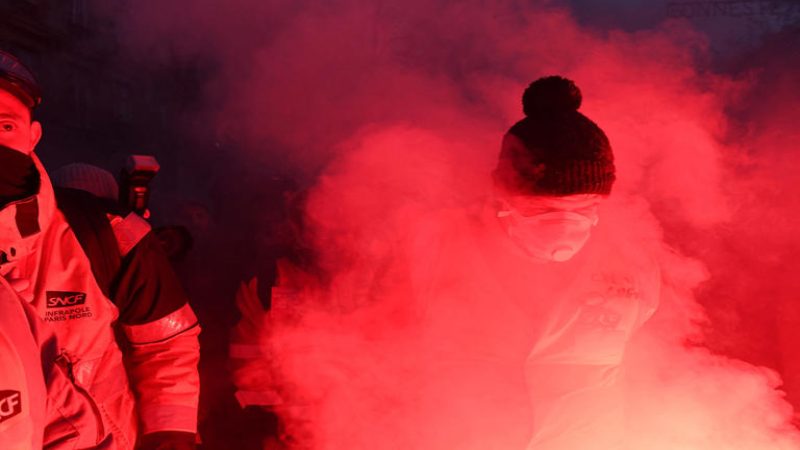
pixel 396 114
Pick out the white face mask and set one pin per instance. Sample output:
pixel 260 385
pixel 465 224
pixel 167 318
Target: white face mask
pixel 552 236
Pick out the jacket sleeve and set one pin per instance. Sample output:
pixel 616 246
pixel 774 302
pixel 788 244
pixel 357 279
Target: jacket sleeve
pixel 162 350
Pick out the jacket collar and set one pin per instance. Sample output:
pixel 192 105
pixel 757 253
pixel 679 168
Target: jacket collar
pixel 22 222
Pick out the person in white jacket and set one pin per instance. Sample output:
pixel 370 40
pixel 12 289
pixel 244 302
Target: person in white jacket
pixel 528 303
pixel 155 400
pixel 594 287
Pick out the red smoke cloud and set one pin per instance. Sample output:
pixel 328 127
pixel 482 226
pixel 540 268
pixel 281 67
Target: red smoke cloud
pixel 404 107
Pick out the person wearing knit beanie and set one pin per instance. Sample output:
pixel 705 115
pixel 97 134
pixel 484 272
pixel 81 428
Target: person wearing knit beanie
pixel 555 168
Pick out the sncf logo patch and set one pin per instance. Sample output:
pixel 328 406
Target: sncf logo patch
pixel 10 404
pixel 63 299
pixel 63 306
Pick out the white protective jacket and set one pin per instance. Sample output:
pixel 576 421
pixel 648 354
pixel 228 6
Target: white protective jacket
pixel 160 390
pixel 502 328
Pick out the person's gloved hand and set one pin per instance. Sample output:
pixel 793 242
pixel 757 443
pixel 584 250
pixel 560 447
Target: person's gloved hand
pixel 168 440
pixel 254 322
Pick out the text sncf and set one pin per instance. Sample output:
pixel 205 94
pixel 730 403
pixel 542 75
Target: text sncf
pixel 62 299
pixel 10 404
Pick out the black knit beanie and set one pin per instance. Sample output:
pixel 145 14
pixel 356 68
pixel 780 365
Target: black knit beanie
pixel 555 150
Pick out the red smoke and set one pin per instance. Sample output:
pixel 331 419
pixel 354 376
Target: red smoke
pixel 404 107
